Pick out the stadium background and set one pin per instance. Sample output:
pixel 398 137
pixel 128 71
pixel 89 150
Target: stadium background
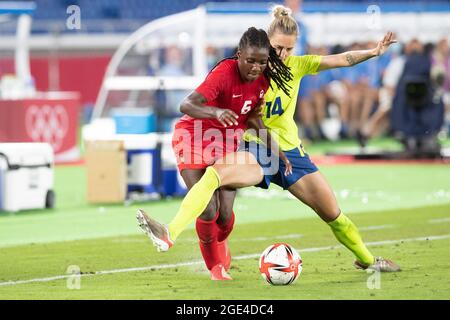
pixel 401 206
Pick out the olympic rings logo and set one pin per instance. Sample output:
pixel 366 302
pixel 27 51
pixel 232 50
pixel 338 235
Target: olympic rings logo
pixel 47 124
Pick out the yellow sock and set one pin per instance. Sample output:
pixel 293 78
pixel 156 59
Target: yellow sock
pixel 347 234
pixel 195 202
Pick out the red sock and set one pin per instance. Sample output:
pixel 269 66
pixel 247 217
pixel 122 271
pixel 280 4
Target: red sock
pixel 207 233
pixel 225 229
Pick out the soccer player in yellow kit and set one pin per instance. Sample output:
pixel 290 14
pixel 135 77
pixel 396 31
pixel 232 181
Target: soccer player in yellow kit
pixel 305 182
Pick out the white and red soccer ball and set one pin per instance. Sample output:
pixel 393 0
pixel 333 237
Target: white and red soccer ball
pixel 280 264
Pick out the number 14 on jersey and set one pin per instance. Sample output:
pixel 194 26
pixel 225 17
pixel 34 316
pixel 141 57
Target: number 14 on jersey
pixel 274 108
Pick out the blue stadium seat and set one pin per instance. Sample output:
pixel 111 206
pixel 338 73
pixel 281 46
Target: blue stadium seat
pixel 145 10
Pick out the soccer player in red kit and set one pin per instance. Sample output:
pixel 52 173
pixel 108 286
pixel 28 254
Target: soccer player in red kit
pixel 206 134
pixel 216 116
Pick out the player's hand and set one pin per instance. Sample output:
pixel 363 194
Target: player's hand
pixel 288 164
pixel 254 117
pixel 226 117
pixel 259 108
pixel 288 170
pixel 384 44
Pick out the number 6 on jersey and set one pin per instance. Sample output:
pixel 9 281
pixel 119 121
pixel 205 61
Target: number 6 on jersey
pixel 247 107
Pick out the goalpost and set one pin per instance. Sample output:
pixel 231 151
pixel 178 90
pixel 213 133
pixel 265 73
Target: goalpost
pixel 23 12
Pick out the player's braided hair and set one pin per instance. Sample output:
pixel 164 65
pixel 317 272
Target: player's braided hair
pixel 276 69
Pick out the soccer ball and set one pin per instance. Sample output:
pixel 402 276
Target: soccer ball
pixel 280 264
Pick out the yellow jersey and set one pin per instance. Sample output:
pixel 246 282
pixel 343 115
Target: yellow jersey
pixel 278 113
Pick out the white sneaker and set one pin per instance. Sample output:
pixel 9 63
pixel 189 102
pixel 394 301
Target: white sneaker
pixel 380 264
pixel 157 232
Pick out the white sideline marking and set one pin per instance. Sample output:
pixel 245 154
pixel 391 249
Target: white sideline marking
pixel 370 228
pixel 190 263
pixel 286 236
pixel 439 220
pixel 282 237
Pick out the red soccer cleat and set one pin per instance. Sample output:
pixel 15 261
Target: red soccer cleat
pixel 218 273
pixel 224 253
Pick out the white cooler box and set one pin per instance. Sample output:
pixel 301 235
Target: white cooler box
pixel 173 183
pixel 26 176
pixel 143 162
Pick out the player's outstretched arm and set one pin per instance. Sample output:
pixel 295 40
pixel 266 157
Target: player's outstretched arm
pixel 350 58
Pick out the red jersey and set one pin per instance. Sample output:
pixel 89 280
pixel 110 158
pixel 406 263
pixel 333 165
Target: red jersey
pixel 208 140
pixel 223 88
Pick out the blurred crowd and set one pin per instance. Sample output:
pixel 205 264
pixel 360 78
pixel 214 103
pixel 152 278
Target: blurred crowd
pixel 343 103
pixel 355 102
pixel 358 102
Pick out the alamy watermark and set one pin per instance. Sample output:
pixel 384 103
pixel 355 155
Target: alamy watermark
pixel 73 22
pixel 373 21
pixel 374 279
pixel 74 280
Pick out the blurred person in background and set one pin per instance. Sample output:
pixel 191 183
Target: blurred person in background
pixel 212 56
pixel 311 104
pixel 321 98
pixel 368 84
pixel 440 72
pixel 356 87
pixel 417 109
pixel 173 65
pixel 379 121
pixel 338 93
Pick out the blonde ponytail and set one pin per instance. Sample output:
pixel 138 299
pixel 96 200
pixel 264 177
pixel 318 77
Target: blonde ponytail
pixel 282 21
pixel 280 11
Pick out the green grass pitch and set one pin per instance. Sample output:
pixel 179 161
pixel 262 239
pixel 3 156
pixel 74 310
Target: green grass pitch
pixel 403 212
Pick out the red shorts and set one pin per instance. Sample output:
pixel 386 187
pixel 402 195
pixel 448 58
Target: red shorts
pixel 195 150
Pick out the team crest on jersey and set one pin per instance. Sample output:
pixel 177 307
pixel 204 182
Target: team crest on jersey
pixel 261 94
